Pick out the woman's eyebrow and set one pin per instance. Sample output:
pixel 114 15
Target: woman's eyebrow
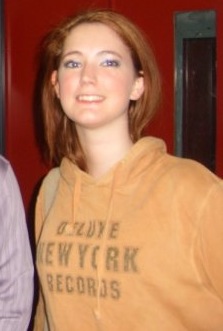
pixel 108 52
pixel 71 53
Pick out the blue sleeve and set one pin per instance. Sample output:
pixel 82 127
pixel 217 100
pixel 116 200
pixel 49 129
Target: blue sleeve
pixel 16 265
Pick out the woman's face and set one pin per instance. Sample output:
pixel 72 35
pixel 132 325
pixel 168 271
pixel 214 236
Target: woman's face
pixel 96 78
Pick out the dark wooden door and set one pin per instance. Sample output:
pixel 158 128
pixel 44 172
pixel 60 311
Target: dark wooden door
pixel 199 100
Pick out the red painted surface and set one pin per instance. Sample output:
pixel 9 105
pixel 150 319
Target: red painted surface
pixel 25 24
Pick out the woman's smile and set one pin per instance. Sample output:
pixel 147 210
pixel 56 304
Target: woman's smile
pixel 89 98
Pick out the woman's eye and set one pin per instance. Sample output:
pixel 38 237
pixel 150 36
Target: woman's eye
pixel 111 63
pixel 72 64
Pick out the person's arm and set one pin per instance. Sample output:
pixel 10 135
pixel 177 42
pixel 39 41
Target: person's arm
pixel 211 238
pixel 16 265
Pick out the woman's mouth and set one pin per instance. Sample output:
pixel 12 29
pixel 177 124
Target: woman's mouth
pixel 89 98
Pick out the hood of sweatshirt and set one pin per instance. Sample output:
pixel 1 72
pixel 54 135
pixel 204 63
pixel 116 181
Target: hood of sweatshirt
pixel 145 152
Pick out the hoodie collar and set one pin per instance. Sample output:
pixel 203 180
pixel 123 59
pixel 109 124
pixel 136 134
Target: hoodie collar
pixel 141 155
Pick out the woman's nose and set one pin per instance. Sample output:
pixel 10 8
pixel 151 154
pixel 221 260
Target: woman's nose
pixel 89 73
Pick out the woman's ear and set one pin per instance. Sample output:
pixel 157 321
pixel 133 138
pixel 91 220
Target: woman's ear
pixel 138 88
pixel 54 81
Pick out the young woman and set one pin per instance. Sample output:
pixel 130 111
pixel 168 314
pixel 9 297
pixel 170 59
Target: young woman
pixel 132 236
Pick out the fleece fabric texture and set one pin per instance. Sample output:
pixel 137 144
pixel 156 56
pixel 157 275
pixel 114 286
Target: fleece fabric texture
pixel 138 249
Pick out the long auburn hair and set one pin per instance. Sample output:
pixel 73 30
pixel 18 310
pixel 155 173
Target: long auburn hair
pixel 60 132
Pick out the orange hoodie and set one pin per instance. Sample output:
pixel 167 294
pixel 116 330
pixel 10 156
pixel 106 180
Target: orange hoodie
pixel 139 249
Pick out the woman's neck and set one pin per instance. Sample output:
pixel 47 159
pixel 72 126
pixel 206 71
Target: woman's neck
pixel 104 151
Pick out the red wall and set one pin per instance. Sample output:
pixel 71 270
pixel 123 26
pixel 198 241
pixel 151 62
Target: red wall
pixel 25 24
pixel 27 21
